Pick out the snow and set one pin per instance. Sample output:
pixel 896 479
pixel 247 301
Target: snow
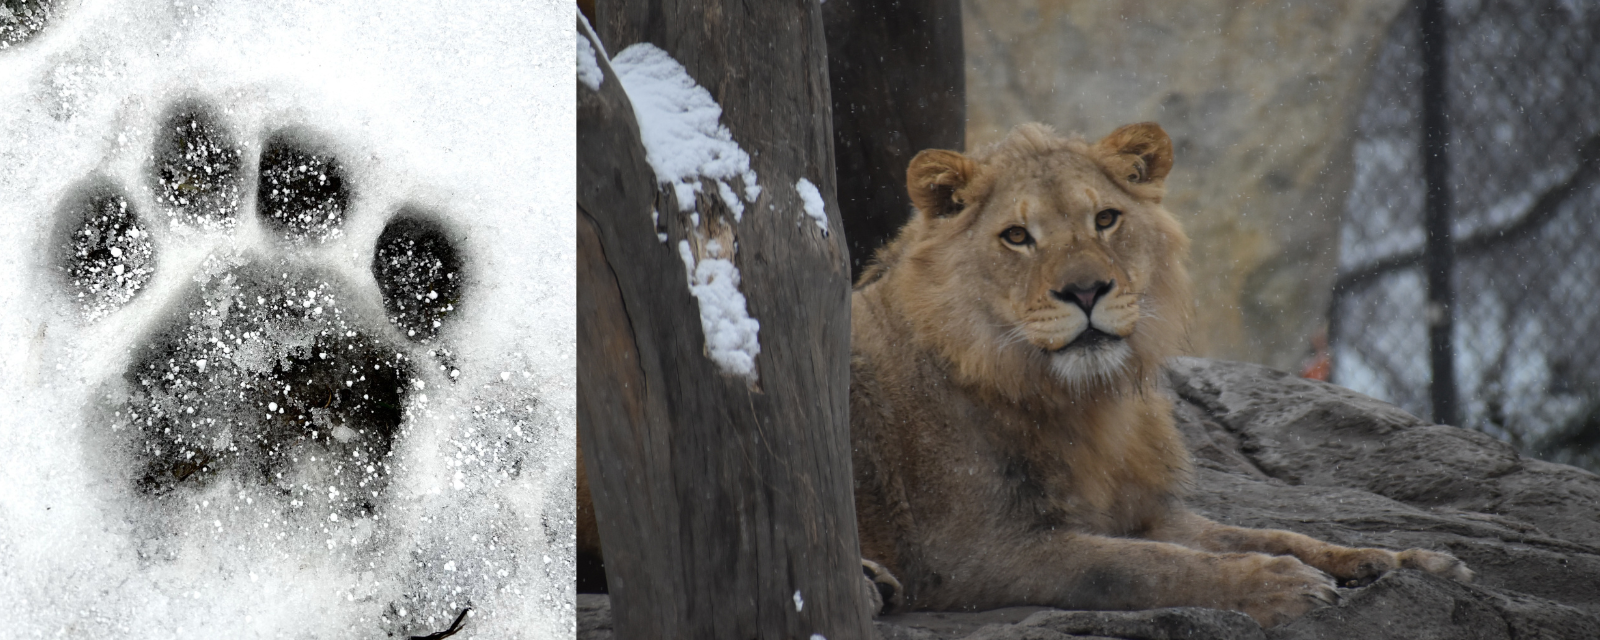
pixel 429 108
pixel 594 38
pixel 731 334
pixel 589 72
pixel 680 123
pixel 730 199
pixel 655 223
pixel 813 203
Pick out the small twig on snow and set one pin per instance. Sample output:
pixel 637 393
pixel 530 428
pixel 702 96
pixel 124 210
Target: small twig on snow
pixel 454 627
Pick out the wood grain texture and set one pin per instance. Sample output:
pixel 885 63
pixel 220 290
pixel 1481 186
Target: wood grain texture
pixel 717 500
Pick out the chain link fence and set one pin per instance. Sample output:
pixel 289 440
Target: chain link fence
pixel 1521 105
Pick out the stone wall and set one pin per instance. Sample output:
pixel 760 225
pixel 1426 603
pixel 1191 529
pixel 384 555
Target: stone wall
pixel 1260 100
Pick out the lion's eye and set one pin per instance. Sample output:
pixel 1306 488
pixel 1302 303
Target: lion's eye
pixel 1105 219
pixel 1016 235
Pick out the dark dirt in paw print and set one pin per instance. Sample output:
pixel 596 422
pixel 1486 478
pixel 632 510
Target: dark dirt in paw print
pixel 270 366
pixel 419 272
pixel 108 255
pixel 21 20
pixel 196 175
pixel 301 193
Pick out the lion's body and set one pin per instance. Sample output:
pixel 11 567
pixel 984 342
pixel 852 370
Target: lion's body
pixel 963 474
pixel 1011 442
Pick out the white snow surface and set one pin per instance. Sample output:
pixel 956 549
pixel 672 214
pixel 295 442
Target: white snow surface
pixel 731 334
pixel 427 103
pixel 815 208
pixel 680 123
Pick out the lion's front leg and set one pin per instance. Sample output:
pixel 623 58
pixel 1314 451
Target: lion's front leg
pixel 1351 566
pixel 1077 571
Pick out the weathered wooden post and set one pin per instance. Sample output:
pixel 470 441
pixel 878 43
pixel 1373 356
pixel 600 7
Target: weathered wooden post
pixel 722 491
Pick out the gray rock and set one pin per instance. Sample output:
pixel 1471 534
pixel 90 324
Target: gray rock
pixel 594 617
pixel 1185 623
pixel 1015 632
pixel 888 631
pixel 942 625
pixel 1414 605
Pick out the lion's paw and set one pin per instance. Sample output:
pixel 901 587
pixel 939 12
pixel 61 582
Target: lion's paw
pixel 1355 567
pixel 1359 567
pixel 1436 563
pixel 283 360
pixel 883 590
pixel 1276 589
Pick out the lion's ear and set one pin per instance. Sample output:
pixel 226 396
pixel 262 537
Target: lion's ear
pixel 935 180
pixel 1138 154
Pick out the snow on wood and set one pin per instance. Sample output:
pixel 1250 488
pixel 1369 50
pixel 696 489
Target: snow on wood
pixel 813 202
pixel 680 124
pixel 731 334
pixel 685 142
pixel 589 72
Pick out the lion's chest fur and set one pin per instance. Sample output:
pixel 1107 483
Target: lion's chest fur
pixel 940 466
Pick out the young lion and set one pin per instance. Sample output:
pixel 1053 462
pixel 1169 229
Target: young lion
pixel 1011 444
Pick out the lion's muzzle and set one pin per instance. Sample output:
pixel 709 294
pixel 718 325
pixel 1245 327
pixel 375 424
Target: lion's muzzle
pixel 1084 295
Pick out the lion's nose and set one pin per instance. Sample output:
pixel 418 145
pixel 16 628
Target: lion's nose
pixel 1084 295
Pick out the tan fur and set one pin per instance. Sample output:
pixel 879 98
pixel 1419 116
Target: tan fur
pixel 1004 454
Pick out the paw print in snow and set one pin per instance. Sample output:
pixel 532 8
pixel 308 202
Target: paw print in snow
pixel 196 176
pixel 274 363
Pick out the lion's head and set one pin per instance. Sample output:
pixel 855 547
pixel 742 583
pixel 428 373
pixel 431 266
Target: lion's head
pixel 1042 263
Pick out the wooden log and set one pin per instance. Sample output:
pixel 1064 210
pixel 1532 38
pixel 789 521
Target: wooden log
pixel 899 86
pixel 725 507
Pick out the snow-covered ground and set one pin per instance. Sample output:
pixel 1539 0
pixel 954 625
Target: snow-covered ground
pixel 179 460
